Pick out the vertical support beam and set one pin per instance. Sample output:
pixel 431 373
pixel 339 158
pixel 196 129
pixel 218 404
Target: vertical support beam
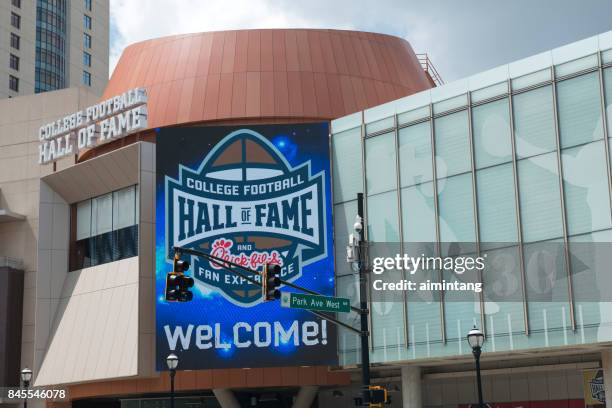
pixel 226 398
pixel 437 216
pixel 398 183
pixel 411 387
pixel 517 209
pixel 365 212
pixel 568 268
pixel 475 208
pixel 305 396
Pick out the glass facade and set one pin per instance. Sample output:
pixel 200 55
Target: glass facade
pixel 105 229
pixel 520 168
pixel 50 69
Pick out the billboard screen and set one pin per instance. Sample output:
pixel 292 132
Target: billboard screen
pixel 251 195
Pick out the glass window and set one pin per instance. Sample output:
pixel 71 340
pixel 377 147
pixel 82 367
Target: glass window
pixel 344 218
pixel 547 293
pixel 86 22
pixel 124 208
pixel 86 40
pixel 380 125
pixel 86 78
pixel 106 229
pixel 83 221
pixel 14 62
pixel 576 65
pixel 13 83
pixel 413 115
pixel 496 204
pixel 15 20
pixel 534 122
pixel 452 144
pixel 450 104
pixel 456 209
pixel 532 79
pixel 415 154
pixel 102 214
pixel 347 169
pixel 579 110
pixel 87 5
pixel 607 73
pixel 86 59
pixel 383 223
pixel 15 40
pixel 489 92
pixel 540 198
pixel 585 181
pixel 418 213
pixel 491 128
pixel 380 163
pixel 16 3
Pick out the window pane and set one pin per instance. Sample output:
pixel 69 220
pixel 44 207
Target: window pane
pixel 346 155
pixel 415 154
pixel 579 110
pixel 547 293
pixel 456 209
pixel 534 122
pixel 380 163
pixel 83 221
pixel 585 180
pixel 452 144
pixel 124 208
pixel 102 214
pixel 418 213
pixel 496 204
pixel 608 91
pixel 344 218
pixel 539 198
pixel 503 295
pixel 382 218
pixel 492 133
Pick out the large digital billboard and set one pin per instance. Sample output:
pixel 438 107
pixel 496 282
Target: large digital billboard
pixel 250 195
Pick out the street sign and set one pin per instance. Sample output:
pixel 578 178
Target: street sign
pixel 315 302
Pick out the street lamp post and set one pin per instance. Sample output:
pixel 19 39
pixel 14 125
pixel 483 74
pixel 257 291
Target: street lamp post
pixel 475 339
pixel 26 377
pixel 172 361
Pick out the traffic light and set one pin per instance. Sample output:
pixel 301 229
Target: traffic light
pixel 177 283
pixel 270 281
pixel 378 396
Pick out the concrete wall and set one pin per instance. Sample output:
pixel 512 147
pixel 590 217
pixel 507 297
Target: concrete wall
pixel 20 188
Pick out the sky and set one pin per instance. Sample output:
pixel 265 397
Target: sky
pixel 461 37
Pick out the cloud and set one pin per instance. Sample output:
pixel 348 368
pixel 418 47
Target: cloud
pixel 134 21
pixel 462 38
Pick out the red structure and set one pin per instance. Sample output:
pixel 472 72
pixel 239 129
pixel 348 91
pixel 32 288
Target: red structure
pixel 266 76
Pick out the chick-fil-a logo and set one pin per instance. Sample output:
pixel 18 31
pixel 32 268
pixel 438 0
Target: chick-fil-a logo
pixel 222 248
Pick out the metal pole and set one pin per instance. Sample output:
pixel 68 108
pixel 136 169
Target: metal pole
pixel 476 352
pixel 172 374
pixel 363 305
pixel 25 402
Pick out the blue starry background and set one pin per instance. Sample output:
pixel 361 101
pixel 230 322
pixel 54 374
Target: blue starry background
pixel 299 143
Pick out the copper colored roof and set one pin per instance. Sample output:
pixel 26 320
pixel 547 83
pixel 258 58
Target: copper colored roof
pixel 254 74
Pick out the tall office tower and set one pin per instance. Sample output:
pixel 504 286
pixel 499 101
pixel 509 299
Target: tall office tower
pixel 53 44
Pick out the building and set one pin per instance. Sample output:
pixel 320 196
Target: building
pixel 53 44
pixel 513 162
pixel 89 325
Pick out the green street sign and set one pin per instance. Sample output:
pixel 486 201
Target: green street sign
pixel 315 302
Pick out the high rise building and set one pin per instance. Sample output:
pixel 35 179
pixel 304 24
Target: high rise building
pixel 53 44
